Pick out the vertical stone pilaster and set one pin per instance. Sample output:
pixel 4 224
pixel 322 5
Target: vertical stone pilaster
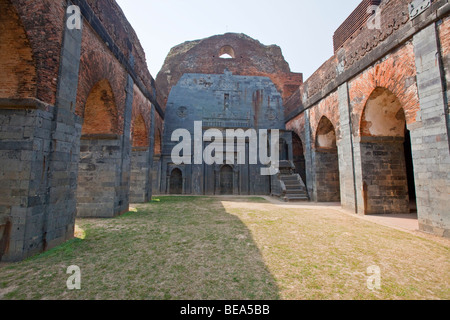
pixel 345 151
pixel 60 217
pixel 309 159
pixel 429 137
pixel 122 201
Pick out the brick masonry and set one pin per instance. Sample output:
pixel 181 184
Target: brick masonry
pixel 402 58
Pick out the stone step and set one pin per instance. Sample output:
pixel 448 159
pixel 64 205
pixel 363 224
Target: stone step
pixel 289 178
pixel 290 198
pixel 293 183
pixel 295 191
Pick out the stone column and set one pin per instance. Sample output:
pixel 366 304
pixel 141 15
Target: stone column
pixel 309 159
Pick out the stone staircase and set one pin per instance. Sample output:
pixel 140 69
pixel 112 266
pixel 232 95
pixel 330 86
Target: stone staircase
pixel 291 186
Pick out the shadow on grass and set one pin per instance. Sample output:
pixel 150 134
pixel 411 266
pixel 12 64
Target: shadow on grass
pixel 175 248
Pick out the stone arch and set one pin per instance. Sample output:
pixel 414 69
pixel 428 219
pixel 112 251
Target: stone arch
pixel 100 111
pixel 176 181
pixel 100 166
pixel 227 52
pixel 398 68
pixel 140 132
pixel 325 135
pixel 327 180
pixel 99 65
pixel 18 76
pixel 383 115
pixel 387 182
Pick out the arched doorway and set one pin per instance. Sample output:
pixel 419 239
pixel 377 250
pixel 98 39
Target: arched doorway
pixel 386 160
pixel 226 180
pixel 327 163
pixel 299 156
pixel 100 111
pixel 176 182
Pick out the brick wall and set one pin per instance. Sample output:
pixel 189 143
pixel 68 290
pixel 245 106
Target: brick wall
pixel 18 75
pixel 44 25
pixel 385 185
pixel 99 173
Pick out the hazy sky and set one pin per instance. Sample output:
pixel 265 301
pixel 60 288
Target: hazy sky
pixel 302 28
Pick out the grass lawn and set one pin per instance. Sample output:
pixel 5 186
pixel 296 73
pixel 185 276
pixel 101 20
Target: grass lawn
pixel 225 248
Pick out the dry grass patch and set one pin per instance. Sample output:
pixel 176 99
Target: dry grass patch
pixel 324 254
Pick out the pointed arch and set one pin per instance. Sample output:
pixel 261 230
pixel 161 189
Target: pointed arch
pixel 140 132
pixel 387 180
pixel 100 112
pixel 383 115
pixel 326 135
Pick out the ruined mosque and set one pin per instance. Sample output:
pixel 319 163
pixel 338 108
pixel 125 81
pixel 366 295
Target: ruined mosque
pixel 85 130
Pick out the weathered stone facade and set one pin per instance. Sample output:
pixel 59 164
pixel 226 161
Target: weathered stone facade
pixel 220 102
pixel 84 132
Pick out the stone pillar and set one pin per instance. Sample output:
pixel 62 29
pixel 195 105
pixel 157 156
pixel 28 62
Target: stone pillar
pixel 429 137
pixel 345 152
pixel 140 173
pixel 26 217
pixel 309 159
pixel 38 159
pixel 122 202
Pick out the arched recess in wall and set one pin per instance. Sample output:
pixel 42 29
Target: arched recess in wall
pixel 386 160
pixel 299 156
pixel 327 181
pixel 140 132
pixel 100 156
pixel 100 111
pixel 176 182
pixel 18 70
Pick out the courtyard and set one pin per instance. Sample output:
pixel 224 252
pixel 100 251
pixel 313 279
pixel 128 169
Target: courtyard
pixel 235 248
